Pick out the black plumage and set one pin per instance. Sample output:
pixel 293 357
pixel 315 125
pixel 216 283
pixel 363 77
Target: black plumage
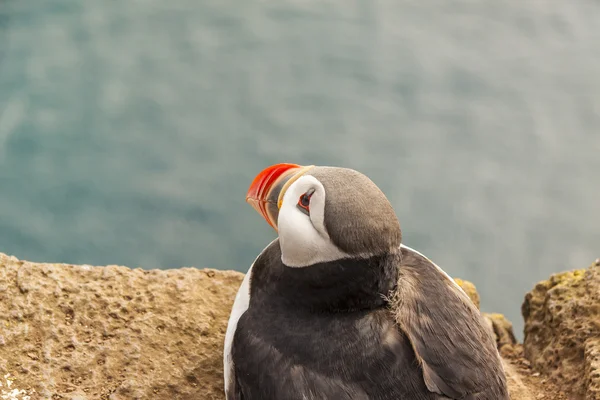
pixel 360 329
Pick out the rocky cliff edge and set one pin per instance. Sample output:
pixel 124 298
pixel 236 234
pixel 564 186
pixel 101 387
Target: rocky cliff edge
pixel 81 332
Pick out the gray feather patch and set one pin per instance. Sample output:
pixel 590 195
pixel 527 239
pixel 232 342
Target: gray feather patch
pixel 373 227
pixel 456 350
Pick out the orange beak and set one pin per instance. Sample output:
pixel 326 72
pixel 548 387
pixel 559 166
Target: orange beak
pixel 267 189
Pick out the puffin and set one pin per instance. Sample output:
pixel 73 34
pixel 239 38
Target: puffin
pixel 337 307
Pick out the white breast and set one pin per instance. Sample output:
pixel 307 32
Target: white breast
pixel 240 305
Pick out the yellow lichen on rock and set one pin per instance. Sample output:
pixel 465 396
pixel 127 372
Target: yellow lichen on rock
pixel 562 315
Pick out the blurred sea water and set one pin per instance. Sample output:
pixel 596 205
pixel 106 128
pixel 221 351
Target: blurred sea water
pixel 130 131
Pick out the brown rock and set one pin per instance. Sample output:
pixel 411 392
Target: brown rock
pixel 592 368
pixel 562 322
pixel 81 332
pixel 503 329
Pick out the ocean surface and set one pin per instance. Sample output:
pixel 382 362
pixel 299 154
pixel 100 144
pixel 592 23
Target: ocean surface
pixel 130 130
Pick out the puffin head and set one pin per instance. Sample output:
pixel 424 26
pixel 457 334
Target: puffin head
pixel 324 214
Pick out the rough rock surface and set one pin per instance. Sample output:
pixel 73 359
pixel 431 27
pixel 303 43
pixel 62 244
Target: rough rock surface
pixel 502 328
pixel 81 332
pixel 562 330
pixel 592 369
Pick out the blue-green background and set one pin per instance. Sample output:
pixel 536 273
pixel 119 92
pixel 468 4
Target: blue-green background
pixel 130 130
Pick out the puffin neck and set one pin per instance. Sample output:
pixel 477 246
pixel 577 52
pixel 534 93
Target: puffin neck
pixel 345 285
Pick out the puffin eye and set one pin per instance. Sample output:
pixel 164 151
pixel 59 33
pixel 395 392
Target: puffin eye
pixel 304 201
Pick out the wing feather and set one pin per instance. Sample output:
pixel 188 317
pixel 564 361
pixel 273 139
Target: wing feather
pixel 456 350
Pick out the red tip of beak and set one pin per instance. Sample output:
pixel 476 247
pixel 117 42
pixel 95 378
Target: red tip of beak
pixel 260 188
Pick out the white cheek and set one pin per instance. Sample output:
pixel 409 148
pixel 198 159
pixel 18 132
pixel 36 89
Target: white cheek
pixel 303 239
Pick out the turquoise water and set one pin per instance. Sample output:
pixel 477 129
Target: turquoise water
pixel 130 131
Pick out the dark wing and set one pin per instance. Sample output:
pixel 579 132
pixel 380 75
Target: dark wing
pixel 456 349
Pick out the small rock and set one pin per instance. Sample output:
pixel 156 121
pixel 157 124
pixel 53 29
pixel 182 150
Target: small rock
pixel 502 329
